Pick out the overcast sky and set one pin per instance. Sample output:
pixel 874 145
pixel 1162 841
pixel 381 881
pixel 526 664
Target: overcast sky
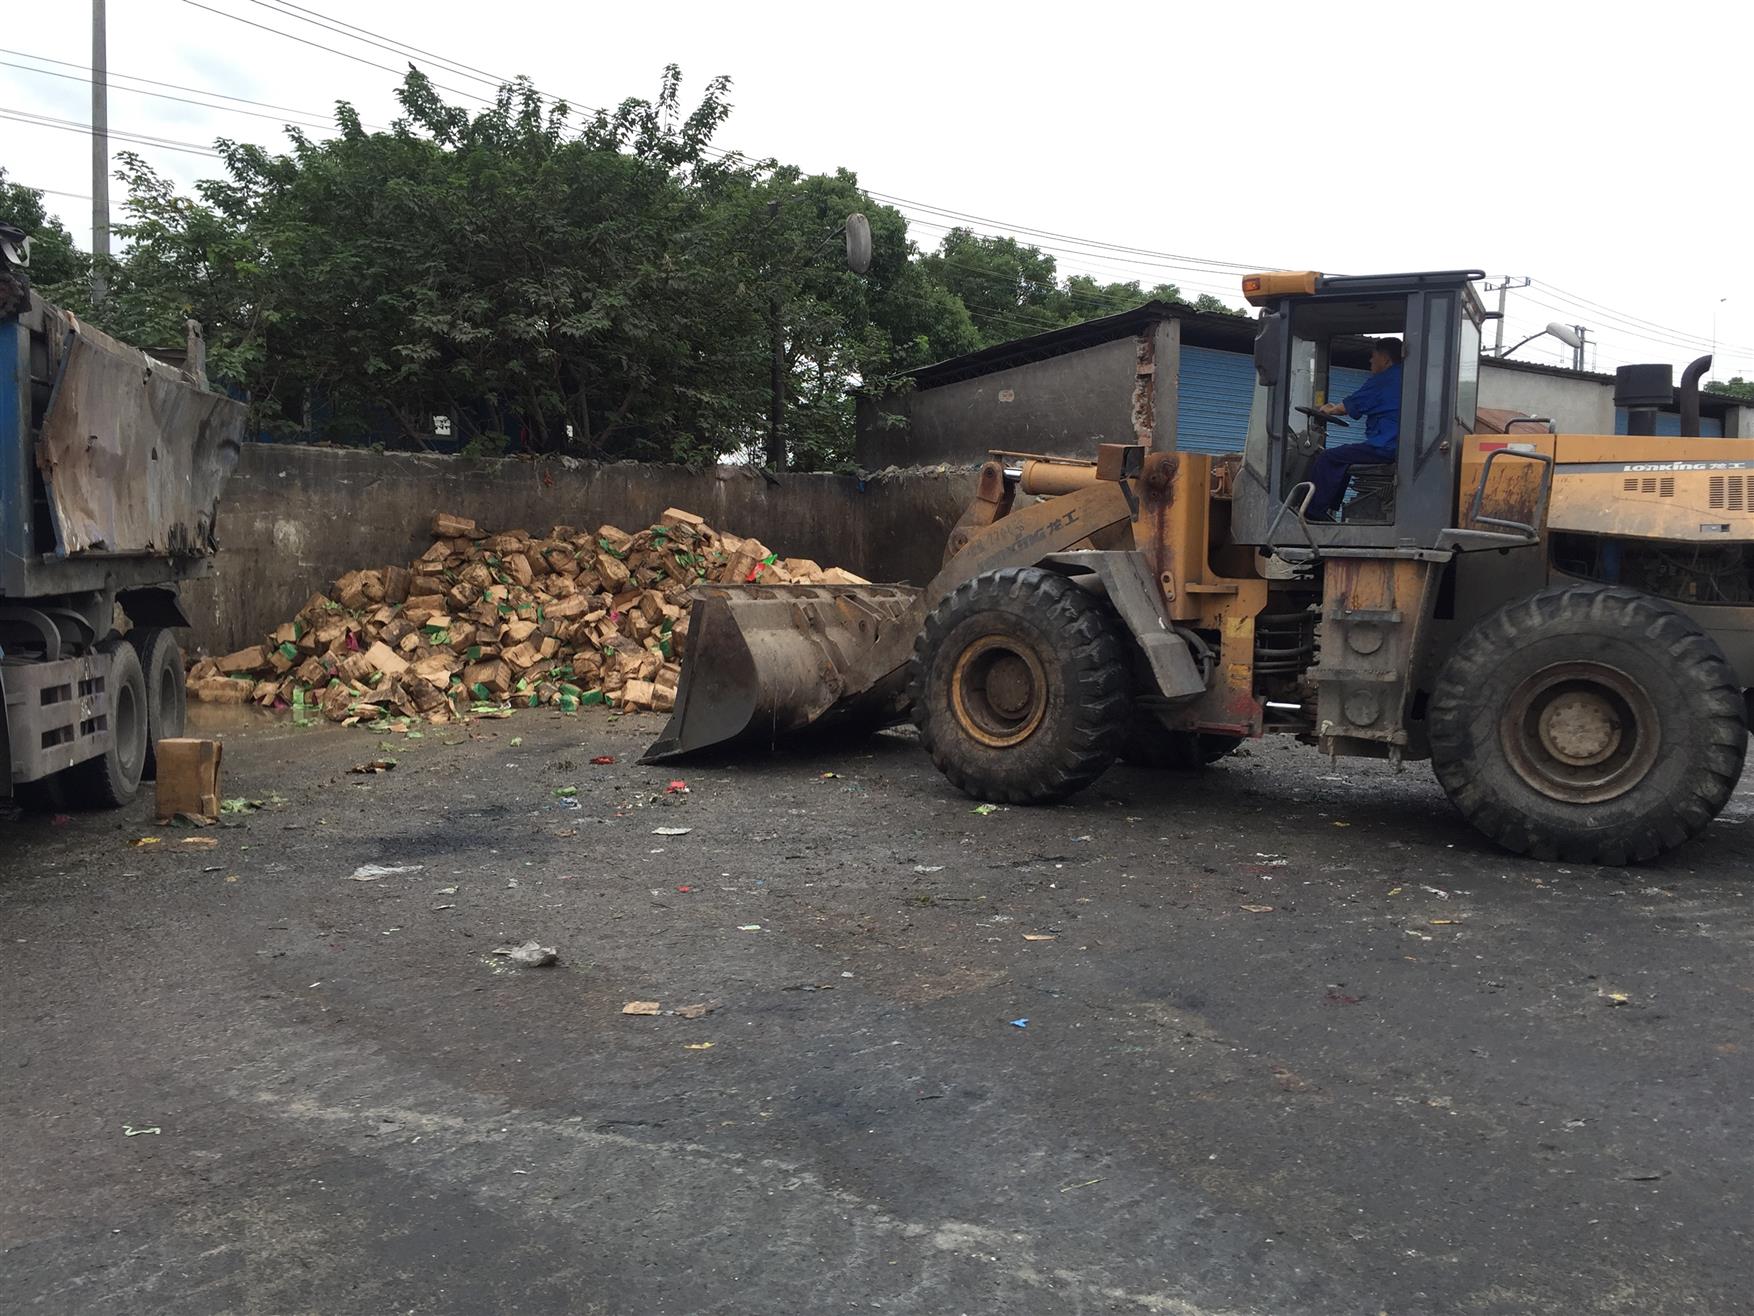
pixel 1599 149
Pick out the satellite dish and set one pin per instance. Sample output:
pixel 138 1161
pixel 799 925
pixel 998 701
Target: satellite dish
pixel 858 243
pixel 1565 334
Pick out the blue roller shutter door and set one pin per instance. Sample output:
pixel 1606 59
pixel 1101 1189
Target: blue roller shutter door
pixel 1216 391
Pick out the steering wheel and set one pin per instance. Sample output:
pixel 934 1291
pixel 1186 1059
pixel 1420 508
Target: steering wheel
pixel 1323 418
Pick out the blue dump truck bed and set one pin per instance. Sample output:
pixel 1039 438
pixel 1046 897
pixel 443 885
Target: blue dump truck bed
pixel 112 462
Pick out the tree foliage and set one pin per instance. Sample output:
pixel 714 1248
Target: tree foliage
pixel 1736 387
pixel 56 264
pixel 604 286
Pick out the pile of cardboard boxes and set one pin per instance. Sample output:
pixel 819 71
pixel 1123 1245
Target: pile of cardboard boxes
pixel 486 621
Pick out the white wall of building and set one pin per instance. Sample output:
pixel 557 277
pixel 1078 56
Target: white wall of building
pixel 1576 405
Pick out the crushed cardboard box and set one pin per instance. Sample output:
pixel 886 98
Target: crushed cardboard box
pixel 482 620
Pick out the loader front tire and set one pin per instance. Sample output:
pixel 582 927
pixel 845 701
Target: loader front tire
pixel 1020 687
pixel 1588 723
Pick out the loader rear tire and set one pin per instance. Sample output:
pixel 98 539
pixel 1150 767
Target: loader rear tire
pixel 166 700
pixel 1588 723
pixel 1019 687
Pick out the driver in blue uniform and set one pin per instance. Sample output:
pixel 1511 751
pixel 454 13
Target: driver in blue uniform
pixel 1377 402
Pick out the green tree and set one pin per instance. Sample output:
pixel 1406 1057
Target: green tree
pixel 1736 387
pixel 56 264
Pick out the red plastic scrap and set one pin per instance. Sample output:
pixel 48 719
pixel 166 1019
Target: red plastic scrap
pixel 676 788
pixel 603 759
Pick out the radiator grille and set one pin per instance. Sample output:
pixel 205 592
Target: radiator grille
pixel 1728 492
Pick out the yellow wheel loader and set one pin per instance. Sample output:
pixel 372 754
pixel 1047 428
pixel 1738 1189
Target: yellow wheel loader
pixel 1563 625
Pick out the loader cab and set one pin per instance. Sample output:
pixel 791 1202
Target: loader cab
pixel 1314 347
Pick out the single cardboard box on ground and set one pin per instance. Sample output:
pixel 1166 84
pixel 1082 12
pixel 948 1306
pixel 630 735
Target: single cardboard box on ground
pixel 188 778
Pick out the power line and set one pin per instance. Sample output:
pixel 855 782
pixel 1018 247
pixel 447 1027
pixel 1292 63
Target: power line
pixel 54 191
pixel 358 59
pixel 154 82
pixel 183 100
pixel 68 125
pixel 1597 306
pixel 1625 329
pixel 336 24
pixel 1200 262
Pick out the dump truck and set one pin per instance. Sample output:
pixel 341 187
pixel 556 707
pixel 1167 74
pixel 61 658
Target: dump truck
pixel 111 466
pixel 1562 624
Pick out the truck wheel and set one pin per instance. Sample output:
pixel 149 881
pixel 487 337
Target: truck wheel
pixel 166 700
pixel 113 777
pixel 1150 745
pixel 1020 687
pixel 1588 723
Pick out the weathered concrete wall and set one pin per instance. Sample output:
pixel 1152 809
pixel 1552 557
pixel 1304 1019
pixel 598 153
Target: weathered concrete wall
pixel 294 518
pixel 1578 405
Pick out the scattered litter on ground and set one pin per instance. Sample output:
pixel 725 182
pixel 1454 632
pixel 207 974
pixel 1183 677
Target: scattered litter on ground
pixel 530 955
pixel 928 868
pixel 129 1131
pixel 685 889
pixel 1257 909
pixel 199 842
pixel 1615 998
pixel 1020 1023
pixel 375 766
pixel 1643 1176
pixel 1437 891
pixel 1341 998
pixel 671 831
pixel 603 760
pixel 241 805
pixel 642 1007
pixel 676 788
pixel 697 1046
pixel 446 891
pixel 1395 890
pixel 699 1011
pixel 515 740
pixel 1087 1183
pixel 372 872
pixel 984 809
pixel 566 792
pixel 1041 936
pixel 569 802
pixel 145 840
pixel 749 927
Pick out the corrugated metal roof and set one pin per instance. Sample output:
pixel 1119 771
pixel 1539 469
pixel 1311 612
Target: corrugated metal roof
pixel 1202 328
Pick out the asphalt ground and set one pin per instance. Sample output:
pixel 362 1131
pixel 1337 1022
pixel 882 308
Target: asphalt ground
pixel 1297 1041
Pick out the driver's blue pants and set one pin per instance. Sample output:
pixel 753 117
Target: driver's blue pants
pixel 1330 472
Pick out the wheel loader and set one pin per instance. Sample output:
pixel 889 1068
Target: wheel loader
pixel 1563 624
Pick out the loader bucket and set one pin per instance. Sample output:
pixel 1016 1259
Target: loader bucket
pixel 765 661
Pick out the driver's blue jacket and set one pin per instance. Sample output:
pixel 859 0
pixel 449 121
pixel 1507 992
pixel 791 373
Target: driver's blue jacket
pixel 1378 400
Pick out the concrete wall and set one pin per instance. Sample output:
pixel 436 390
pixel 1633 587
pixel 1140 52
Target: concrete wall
pixel 1063 406
pixel 294 518
pixel 1577 405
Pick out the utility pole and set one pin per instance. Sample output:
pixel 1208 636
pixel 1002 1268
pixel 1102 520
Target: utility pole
pixel 100 154
pixel 1503 286
pixel 1577 358
pixel 776 342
